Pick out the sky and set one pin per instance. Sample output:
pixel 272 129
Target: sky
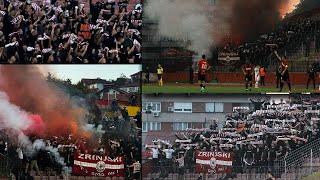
pixel 76 72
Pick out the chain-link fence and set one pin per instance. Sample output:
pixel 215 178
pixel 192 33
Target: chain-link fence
pixel 237 173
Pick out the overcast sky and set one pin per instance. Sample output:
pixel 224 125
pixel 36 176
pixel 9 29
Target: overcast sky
pixel 77 72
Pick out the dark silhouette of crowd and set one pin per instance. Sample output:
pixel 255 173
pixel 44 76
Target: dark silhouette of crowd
pixel 257 137
pixel 107 32
pixel 291 36
pixel 116 135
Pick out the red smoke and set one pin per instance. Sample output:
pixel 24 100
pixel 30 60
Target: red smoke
pixel 27 88
pixel 248 19
pixel 37 126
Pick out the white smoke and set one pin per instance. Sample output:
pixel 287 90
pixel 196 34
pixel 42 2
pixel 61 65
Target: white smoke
pixel 11 116
pixel 15 121
pixel 40 144
pixel 184 20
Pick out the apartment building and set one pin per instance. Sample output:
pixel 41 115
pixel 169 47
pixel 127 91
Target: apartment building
pixel 165 115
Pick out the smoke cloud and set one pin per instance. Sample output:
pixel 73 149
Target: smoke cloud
pixel 180 19
pixel 11 116
pixel 31 105
pixel 251 18
pixel 27 88
pixel 209 23
pixel 15 121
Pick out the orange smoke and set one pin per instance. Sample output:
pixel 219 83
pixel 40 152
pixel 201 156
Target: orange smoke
pixel 288 7
pixel 244 21
pixel 27 88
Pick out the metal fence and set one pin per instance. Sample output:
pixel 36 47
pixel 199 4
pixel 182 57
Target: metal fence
pixel 306 158
pixel 238 173
pixel 299 163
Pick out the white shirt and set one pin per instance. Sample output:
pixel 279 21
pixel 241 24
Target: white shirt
pixel 168 153
pixel 155 153
pixel 181 162
pixel 136 167
pixel 256 70
pixel 20 154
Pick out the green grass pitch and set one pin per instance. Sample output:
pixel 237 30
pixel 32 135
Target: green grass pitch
pixel 179 88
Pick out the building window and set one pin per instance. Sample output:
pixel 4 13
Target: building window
pixel 183 107
pixel 218 107
pixel 144 127
pixel 210 107
pixel 151 106
pixel 214 107
pixel 151 126
pixel 180 126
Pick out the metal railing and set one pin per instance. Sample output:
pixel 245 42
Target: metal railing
pixel 238 173
pixel 307 155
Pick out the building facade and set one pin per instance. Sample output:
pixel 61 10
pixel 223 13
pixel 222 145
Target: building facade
pixel 165 115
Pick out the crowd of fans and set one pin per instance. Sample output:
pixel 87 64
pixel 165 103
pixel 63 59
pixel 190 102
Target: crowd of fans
pixel 289 38
pixel 116 135
pixel 67 32
pixel 257 137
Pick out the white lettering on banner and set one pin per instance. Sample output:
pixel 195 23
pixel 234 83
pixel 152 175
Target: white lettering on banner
pixel 94 165
pixel 87 156
pixel 97 174
pixel 214 154
pixel 99 158
pixel 213 162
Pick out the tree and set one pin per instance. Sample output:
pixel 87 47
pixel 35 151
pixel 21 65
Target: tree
pixel 80 86
pixel 50 77
pixel 68 81
pixel 122 80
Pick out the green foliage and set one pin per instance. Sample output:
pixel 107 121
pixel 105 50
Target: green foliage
pixel 66 85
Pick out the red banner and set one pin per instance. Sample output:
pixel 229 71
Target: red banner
pixel 94 165
pixel 213 162
pixel 147 154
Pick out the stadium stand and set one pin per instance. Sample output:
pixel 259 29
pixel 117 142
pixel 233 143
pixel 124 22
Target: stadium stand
pixel 271 140
pixel 70 31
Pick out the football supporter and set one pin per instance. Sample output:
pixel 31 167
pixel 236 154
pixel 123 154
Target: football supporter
pixel 55 155
pixel 136 170
pixel 256 137
pixel 69 32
